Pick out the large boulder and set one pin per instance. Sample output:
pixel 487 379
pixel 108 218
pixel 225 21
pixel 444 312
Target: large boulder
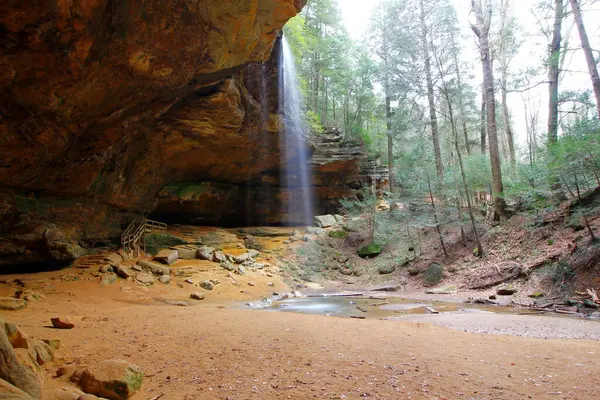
pixel 17 338
pixel 12 304
pixel 13 372
pixel 167 256
pixel 112 379
pixel 433 274
pixel 153 267
pixel 387 268
pixel 206 253
pixel 10 392
pixel 325 221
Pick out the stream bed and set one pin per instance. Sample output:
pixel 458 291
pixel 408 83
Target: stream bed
pixel 475 318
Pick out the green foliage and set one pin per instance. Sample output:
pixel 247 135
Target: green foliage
pixel 338 234
pixel 156 241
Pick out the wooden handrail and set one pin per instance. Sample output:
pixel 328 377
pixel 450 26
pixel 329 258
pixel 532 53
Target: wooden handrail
pixel 135 232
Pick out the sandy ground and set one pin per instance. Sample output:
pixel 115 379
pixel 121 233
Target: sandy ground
pixel 210 350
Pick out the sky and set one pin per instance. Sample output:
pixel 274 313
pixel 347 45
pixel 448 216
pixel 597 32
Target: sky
pixel 357 13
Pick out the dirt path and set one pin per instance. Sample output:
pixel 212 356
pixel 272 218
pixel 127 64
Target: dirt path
pixel 206 351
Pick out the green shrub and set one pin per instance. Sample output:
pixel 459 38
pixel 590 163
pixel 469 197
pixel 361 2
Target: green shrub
pixel 156 241
pixel 338 234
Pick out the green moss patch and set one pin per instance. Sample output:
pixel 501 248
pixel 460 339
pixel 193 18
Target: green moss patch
pixel 156 241
pixel 338 234
pixel 370 250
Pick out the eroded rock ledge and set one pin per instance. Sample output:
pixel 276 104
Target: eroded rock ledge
pixel 110 109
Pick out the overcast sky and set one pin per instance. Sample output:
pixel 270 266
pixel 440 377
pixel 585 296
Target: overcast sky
pixel 357 14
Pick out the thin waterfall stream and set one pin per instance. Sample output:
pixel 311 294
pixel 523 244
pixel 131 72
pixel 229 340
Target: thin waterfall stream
pixel 296 173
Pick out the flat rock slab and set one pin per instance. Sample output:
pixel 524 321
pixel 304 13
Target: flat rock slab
pixel 12 304
pixel 403 307
pixel 114 258
pixel 144 278
pixel 325 221
pixel 167 256
pixel 186 252
pixel 154 267
pixel 442 290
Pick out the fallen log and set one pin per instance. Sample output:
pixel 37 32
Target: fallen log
pixel 380 304
pixel 569 312
pixel 387 289
pixel 593 295
pixel 377 298
pixel 357 317
pixel 432 310
pixel 361 309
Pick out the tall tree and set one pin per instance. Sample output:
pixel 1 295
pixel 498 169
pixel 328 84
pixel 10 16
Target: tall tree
pixel 482 129
pixel 506 44
pixel 388 103
pixel 481 28
pixel 439 166
pixel 554 72
pixel 589 57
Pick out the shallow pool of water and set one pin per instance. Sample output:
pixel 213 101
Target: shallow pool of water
pixel 378 308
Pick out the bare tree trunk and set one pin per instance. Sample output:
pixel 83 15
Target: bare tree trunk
pixel 388 113
pixel 585 44
pixel 388 110
pixel 461 102
pixel 553 73
pixel 459 205
pixel 481 29
pixel 462 169
pixel 482 129
pixel 326 103
pixel 430 97
pixel 504 68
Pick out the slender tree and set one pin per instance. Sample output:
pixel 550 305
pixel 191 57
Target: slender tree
pixel 482 129
pixel 481 29
pixel 439 166
pixel 589 57
pixel 505 42
pixel 554 72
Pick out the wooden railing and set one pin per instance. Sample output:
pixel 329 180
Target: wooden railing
pixel 135 232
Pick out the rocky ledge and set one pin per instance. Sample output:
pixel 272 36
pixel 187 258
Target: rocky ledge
pixel 109 111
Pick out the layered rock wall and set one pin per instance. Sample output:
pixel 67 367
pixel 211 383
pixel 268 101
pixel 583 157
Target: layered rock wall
pixel 115 108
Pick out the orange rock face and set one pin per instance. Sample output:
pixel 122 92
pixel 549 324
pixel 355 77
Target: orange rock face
pixel 112 108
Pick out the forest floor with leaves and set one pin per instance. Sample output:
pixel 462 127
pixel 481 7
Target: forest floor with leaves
pixel 547 252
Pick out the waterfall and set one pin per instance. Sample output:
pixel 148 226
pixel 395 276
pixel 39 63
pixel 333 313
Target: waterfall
pixel 296 173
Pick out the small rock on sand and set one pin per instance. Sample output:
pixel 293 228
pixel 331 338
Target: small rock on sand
pixel 144 278
pixel 197 296
pixel 62 323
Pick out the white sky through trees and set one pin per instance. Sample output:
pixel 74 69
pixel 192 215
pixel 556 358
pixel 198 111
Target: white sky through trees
pixel 357 16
